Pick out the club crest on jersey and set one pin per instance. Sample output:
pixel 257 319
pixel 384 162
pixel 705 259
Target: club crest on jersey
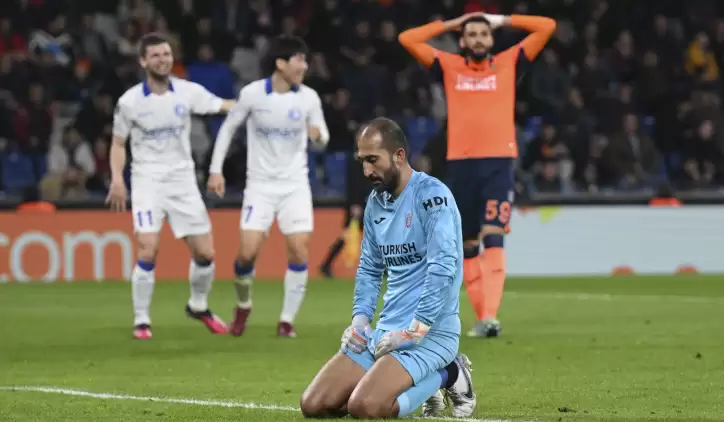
pixel 181 110
pixel 408 220
pixel 295 114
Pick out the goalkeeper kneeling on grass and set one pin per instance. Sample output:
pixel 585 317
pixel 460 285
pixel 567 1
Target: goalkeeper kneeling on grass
pixel 412 230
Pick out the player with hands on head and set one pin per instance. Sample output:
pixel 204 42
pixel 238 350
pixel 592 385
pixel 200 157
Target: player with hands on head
pixel 155 114
pixel 282 115
pixel 411 231
pixel 480 90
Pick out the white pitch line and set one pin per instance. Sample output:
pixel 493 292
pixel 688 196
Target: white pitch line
pixel 609 297
pixel 197 402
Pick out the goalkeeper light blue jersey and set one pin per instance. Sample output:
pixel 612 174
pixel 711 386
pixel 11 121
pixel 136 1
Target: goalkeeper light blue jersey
pixel 417 239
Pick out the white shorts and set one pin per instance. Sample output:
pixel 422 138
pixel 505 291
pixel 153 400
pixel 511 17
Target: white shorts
pixel 290 204
pixel 179 200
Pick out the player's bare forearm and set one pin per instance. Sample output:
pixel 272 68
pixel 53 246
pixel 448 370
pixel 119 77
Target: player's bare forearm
pixel 117 158
pixel 318 135
pixel 227 105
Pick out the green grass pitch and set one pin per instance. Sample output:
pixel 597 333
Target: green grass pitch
pixel 575 349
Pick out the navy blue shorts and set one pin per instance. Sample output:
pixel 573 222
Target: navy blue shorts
pixel 484 189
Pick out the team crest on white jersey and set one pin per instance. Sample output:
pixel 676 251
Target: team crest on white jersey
pixel 475 83
pixel 181 110
pixel 295 114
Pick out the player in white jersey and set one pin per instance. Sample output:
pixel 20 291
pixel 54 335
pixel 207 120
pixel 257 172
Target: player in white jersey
pixel 281 116
pixel 156 116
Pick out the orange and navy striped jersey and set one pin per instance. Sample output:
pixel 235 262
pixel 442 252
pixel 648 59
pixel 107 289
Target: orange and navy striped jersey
pixel 480 96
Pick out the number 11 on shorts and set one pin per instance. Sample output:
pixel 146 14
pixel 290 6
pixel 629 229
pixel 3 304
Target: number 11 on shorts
pixel 141 214
pixel 247 211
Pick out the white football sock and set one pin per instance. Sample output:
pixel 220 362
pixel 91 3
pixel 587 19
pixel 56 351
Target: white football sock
pixel 242 285
pixel 200 279
pixel 295 285
pixel 142 282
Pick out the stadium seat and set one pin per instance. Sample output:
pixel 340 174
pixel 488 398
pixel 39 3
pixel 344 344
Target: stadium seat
pixel 419 130
pixel 335 166
pixel 40 164
pixel 531 130
pixel 17 172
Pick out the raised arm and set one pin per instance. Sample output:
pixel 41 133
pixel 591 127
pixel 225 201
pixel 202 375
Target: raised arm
pixel 541 29
pixel 415 41
pixel 368 281
pixel 439 221
pixel 236 117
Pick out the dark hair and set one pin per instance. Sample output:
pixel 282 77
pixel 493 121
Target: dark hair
pixel 284 48
pixel 475 19
pixel 149 40
pixel 393 137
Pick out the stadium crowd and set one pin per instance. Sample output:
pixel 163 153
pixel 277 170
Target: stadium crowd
pixel 626 96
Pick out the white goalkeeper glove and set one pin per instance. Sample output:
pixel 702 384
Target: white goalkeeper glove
pixel 402 339
pixel 356 335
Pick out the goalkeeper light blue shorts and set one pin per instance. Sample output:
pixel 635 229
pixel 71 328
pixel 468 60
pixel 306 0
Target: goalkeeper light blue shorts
pixel 436 351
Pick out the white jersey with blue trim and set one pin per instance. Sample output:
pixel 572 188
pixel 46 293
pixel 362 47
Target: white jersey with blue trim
pixel 159 125
pixel 277 131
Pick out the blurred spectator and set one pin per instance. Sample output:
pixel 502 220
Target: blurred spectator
pixel 34 121
pixel 629 160
pixel 70 165
pixel 53 40
pixel 89 43
pixel 358 48
pixel 130 36
pixel 548 158
pixel 652 84
pixel 11 42
pixel 702 157
pixel 700 60
pixel 213 75
pixel 320 78
pixel 95 117
pixel 549 83
pixel 341 121
pixel 623 60
pixel 100 181
pixel 206 34
pixel 160 25
pixel 388 51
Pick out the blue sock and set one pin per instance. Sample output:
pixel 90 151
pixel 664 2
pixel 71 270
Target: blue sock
pixel 242 270
pixel 203 263
pixel 146 265
pixel 418 394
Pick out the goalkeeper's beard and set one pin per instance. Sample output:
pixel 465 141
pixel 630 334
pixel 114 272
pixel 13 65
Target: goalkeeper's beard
pixel 389 181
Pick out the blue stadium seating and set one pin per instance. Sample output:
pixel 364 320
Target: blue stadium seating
pixel 40 164
pixel 335 166
pixel 18 172
pixel 419 130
